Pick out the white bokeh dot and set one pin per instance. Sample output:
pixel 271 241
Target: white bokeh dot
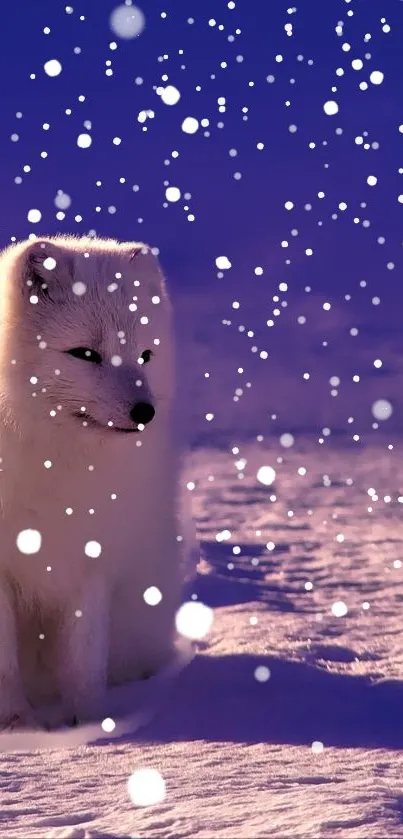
pixel 127 21
pixel 190 125
pixel 92 549
pixel 146 787
pixel 49 263
pixel 331 108
pixel 194 620
pixel 152 596
pixel 382 409
pixel 170 95
pixel 287 440
pixel 108 724
pixel 339 609
pixel 29 541
pixel 84 141
pixel 376 77
pixel 262 673
pixel 172 194
pixel 62 201
pixel 116 360
pixel 317 747
pixel 34 216
pixel 79 288
pixel 223 263
pixel 52 67
pixel 266 475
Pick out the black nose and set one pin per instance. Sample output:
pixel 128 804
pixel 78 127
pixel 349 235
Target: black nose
pixel 142 412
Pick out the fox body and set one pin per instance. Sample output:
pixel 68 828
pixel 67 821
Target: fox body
pixel 89 474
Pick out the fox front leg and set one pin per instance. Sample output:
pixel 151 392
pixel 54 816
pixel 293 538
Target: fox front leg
pixel 82 649
pixel 15 710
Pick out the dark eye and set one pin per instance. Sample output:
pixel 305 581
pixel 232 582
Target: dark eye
pixel 146 355
pixel 85 354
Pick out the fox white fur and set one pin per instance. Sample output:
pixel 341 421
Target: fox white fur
pixel 69 623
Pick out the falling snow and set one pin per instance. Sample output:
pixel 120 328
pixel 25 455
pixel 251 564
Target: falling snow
pixel 266 475
pixel 170 95
pixel 194 620
pixel 93 549
pixel 52 67
pixel 273 136
pixel 127 21
pixel 84 141
pixel 223 263
pixel 49 263
pixel 382 409
pixel 331 108
pixel 62 200
pixel 172 194
pixel 152 596
pixel 146 787
pixel 34 216
pixel 190 125
pixel 29 541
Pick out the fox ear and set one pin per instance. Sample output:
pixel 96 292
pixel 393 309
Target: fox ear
pixel 48 268
pixel 136 251
pixel 146 266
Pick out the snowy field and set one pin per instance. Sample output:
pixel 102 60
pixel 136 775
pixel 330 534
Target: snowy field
pixel 236 752
pixel 274 148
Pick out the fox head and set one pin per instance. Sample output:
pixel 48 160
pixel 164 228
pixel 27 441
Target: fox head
pixel 86 335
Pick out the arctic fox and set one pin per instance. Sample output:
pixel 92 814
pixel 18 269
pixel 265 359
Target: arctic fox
pixel 89 474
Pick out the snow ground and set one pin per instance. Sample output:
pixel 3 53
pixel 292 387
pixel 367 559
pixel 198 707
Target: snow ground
pixel 236 753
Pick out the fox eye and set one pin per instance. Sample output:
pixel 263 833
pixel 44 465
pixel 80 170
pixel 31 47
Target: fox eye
pixel 85 354
pixel 146 356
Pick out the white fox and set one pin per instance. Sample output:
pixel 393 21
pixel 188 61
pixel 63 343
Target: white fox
pixel 89 474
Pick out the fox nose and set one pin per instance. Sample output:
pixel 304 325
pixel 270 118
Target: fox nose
pixel 142 412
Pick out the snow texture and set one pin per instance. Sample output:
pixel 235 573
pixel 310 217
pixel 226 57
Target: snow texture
pixel 315 749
